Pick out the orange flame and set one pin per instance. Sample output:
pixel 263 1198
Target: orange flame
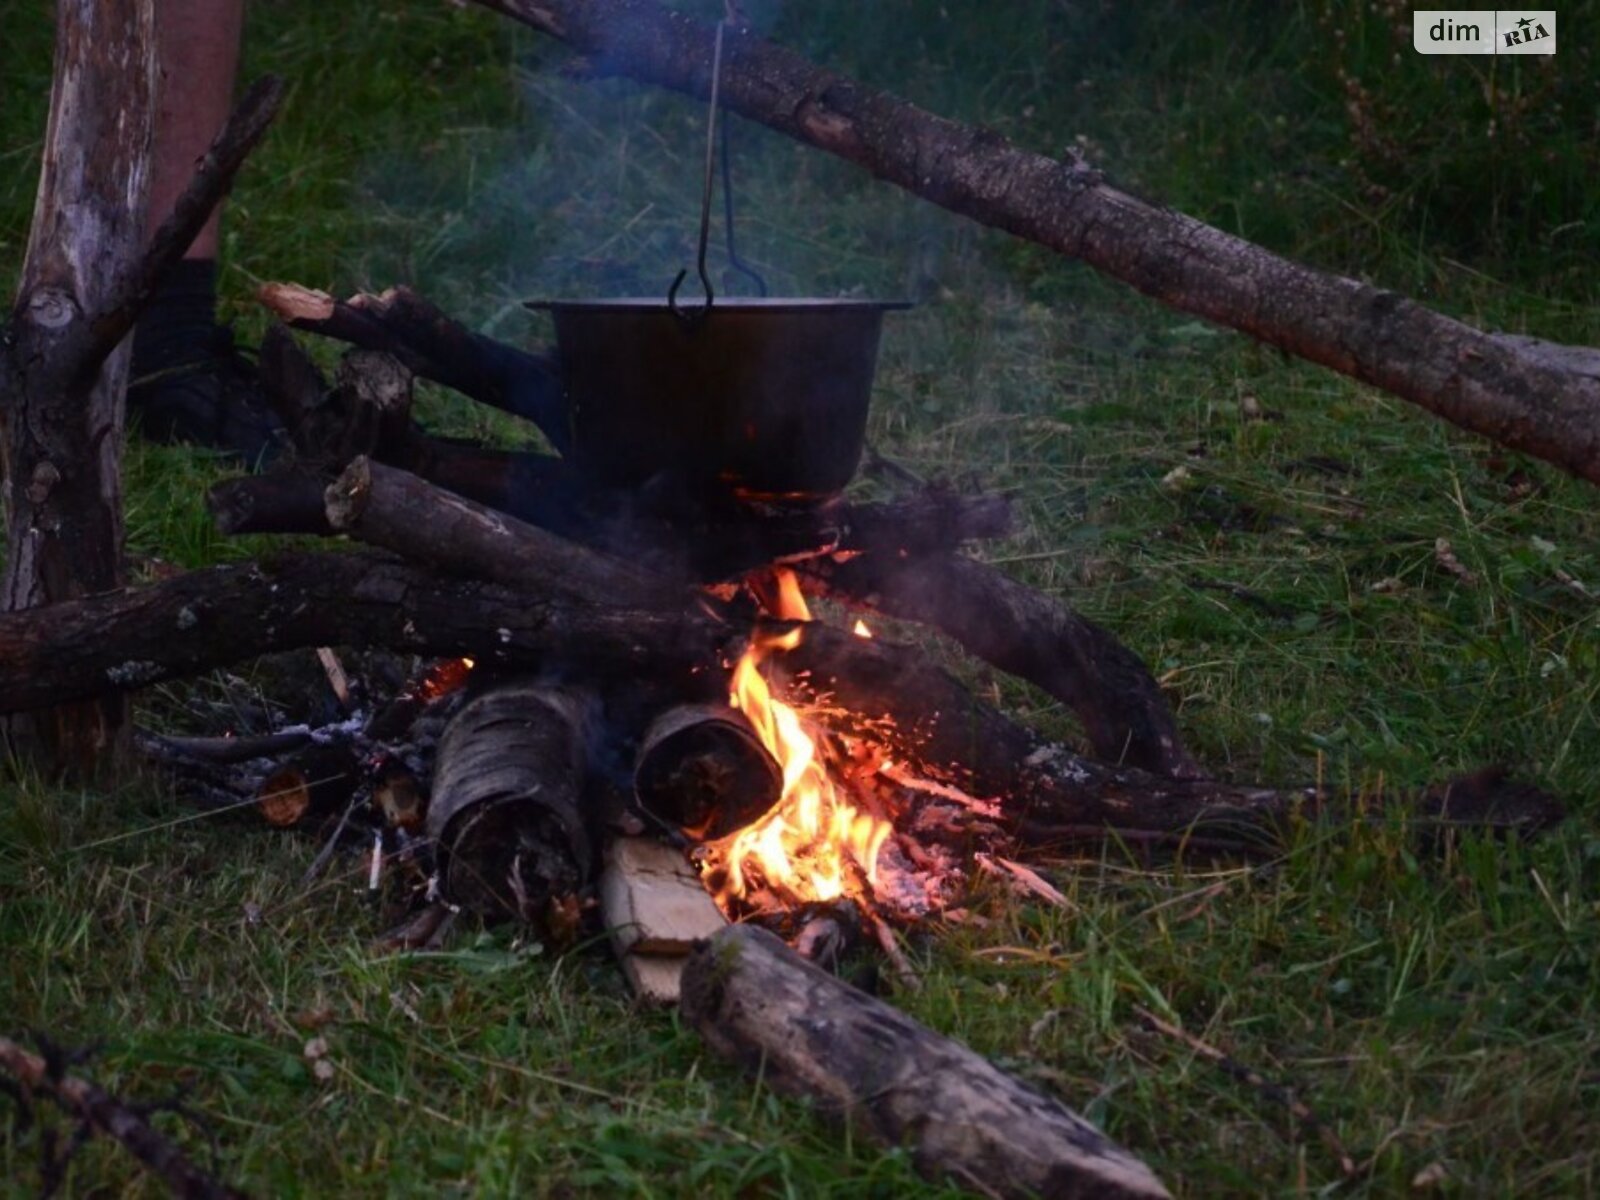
pixel 861 630
pixel 814 844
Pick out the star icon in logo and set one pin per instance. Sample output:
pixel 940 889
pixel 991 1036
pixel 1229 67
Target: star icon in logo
pixel 1525 22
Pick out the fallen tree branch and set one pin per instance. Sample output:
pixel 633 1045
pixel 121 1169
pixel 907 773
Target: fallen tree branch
pixel 402 323
pixel 756 1001
pixel 103 1113
pixel 1275 1092
pixel 1537 397
pixel 132 638
pixel 213 177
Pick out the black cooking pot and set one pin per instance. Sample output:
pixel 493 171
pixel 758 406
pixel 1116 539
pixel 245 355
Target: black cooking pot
pixel 766 397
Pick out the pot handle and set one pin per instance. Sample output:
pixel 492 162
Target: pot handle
pixel 685 315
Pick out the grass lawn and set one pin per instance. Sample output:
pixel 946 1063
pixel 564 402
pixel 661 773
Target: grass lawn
pixel 1262 531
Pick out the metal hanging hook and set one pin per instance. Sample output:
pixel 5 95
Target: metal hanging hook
pixel 700 314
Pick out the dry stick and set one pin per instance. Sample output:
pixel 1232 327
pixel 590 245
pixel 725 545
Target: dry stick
pixel 224 750
pixel 1275 1092
pixel 104 1113
pixel 1533 396
pixel 213 176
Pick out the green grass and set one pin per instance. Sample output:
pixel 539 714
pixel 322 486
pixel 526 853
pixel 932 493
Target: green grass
pixel 1435 1008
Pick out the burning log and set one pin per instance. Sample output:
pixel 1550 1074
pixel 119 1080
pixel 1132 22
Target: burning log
pixel 508 809
pixel 1535 396
pixel 702 769
pixel 756 1001
pixel 1030 635
pixel 315 784
pixel 871 688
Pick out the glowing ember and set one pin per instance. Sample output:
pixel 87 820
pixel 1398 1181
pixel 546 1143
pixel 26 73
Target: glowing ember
pixel 861 630
pixel 444 678
pixel 815 844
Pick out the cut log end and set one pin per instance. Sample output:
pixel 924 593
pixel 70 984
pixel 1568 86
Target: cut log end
pixel 507 807
pixel 292 302
pixel 702 768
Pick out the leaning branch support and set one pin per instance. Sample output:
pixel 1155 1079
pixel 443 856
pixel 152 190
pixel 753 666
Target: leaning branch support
pixel 1533 396
pixel 103 1113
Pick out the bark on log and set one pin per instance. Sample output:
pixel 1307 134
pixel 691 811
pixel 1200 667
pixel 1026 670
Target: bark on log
pixel 134 637
pixel 756 1001
pixel 84 280
pixel 222 615
pixel 402 323
pixel 1537 397
pixel 395 510
pixel 61 407
pixel 508 809
pixel 1027 634
pixel 702 770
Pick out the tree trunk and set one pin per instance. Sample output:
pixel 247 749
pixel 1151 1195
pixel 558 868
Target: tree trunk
pixel 87 273
pixel 1532 396
pixel 758 1002
pixel 60 421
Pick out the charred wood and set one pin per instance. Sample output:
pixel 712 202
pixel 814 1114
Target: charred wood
pixel 224 751
pixel 314 784
pixel 1030 635
pixel 756 1001
pixel 508 812
pixel 703 771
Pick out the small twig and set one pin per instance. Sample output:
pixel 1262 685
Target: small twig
pixel 338 677
pixel 901 965
pixel 1276 1092
pixel 224 751
pixel 325 855
pixel 100 1112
